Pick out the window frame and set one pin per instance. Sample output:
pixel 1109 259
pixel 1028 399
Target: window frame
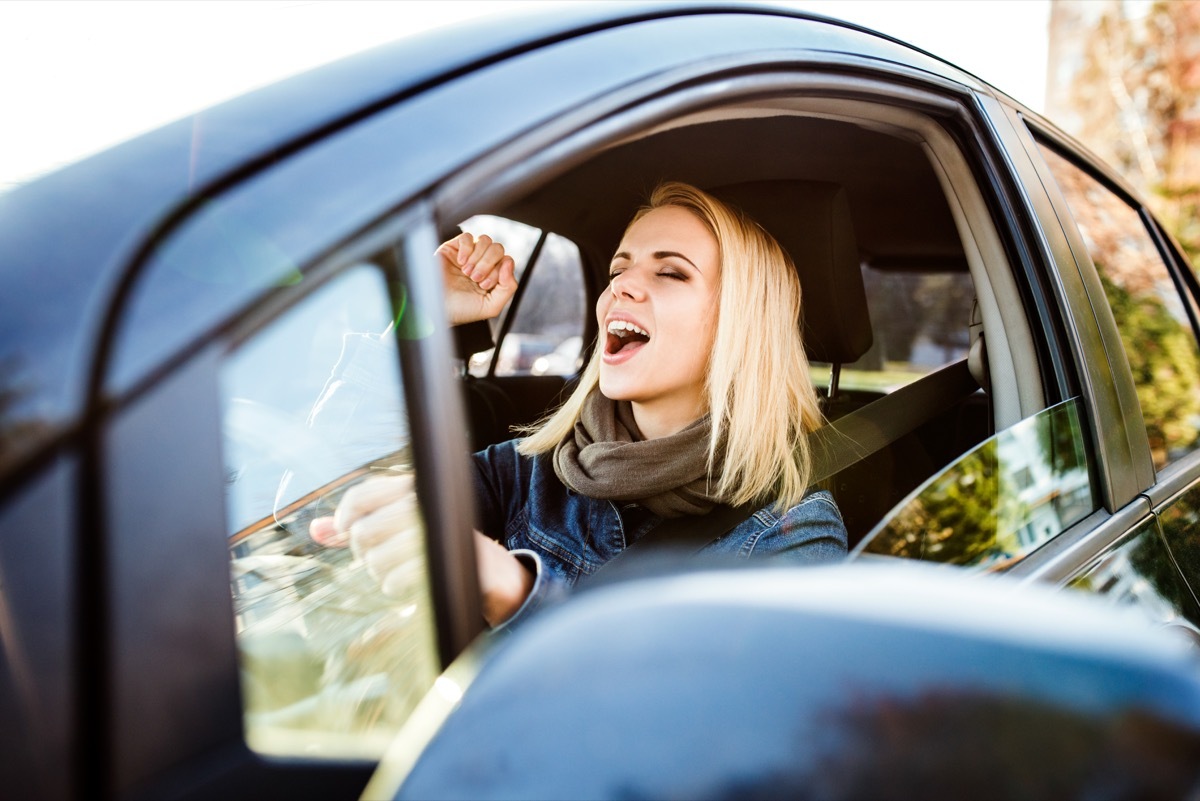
pixel 273 311
pixel 1123 455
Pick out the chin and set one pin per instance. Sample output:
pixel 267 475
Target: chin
pixel 616 390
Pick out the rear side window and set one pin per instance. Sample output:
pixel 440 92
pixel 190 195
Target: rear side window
pixel 1160 343
pixel 337 643
pixel 920 321
pixel 541 330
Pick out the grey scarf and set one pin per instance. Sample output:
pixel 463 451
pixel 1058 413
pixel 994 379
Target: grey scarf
pixel 606 457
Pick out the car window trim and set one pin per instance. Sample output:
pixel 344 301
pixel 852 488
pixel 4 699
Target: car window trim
pixel 1123 450
pixel 1177 266
pixel 520 165
pixel 1060 558
pixel 1174 480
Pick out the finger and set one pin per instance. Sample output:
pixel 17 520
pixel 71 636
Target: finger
pixel 481 245
pixel 488 262
pixel 504 280
pixel 455 250
pixel 384 523
pixel 324 532
pixel 508 275
pixel 401 547
pixel 367 496
pixel 402 579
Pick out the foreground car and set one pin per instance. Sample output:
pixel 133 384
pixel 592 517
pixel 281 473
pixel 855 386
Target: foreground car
pixel 913 683
pixel 211 332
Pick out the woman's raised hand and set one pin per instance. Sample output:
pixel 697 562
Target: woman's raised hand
pixel 478 275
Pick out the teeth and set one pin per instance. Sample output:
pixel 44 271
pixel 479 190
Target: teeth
pixel 621 327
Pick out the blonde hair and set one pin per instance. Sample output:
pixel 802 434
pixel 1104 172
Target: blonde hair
pixel 760 393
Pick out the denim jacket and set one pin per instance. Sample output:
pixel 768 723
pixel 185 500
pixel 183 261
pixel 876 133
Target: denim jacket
pixel 563 536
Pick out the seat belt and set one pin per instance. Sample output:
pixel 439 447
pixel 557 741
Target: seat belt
pixel 855 436
pixel 835 446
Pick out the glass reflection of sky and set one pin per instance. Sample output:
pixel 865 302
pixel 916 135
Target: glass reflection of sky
pixel 313 397
pixel 1000 501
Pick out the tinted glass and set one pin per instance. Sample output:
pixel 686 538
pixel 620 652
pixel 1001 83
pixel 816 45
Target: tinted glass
pixel 337 643
pixel 999 502
pixel 1159 341
pixel 1139 572
pixel 1181 529
pixel 920 321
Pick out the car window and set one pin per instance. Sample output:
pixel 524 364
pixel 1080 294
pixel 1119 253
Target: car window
pixel 1139 572
pixel 1000 501
pixel 545 333
pixel 1180 521
pixel 336 645
pixel 1159 341
pixel 920 321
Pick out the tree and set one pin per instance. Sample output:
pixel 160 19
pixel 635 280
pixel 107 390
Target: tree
pixel 1127 84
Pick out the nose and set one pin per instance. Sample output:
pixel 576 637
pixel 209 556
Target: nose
pixel 628 284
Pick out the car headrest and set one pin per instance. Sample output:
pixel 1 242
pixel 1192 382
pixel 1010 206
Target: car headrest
pixel 811 221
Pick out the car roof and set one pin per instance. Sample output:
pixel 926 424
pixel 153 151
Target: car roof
pixel 69 238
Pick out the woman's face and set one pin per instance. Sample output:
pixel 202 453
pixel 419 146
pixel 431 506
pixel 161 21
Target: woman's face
pixel 660 316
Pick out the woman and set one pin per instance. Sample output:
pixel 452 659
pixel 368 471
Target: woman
pixel 698 393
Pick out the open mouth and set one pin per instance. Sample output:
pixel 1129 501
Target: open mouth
pixel 624 336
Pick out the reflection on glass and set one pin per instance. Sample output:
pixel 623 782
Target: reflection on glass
pixel 1139 572
pixel 1000 501
pixel 22 427
pixel 334 656
pixel 1155 330
pixel 1181 529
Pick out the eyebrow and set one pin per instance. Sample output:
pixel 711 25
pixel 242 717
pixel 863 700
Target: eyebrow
pixel 660 255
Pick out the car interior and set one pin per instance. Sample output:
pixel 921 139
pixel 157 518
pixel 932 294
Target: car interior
pixel 912 316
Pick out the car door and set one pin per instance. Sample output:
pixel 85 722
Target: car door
pixel 236 643
pixel 263 332
pixel 276 341
pixel 1115 444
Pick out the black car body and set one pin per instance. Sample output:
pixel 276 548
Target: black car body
pixel 199 332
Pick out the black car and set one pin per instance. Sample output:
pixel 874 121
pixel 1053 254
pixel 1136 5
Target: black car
pixel 210 332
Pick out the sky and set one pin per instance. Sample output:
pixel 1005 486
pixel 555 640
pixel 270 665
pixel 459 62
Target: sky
pixel 83 75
